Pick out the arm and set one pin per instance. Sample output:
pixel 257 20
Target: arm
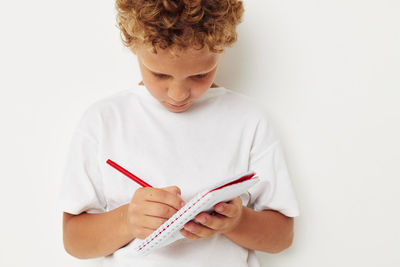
pixel 267 231
pixel 96 235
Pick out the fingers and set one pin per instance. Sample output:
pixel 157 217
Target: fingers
pixel 168 196
pixel 150 208
pixel 193 230
pixel 226 218
pixel 189 235
pixel 156 209
pixel 214 222
pixel 151 223
pixel 205 225
pixel 142 226
pixel 173 189
pixel 144 233
pixel 230 209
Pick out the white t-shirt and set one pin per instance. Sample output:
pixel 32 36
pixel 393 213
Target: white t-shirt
pixel 222 134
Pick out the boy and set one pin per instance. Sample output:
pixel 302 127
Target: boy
pixel 176 128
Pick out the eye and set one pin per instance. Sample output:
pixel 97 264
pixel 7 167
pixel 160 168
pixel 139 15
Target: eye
pixel 161 76
pixel 200 76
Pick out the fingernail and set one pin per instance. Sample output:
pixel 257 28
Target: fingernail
pixel 189 228
pixel 201 220
pixel 184 232
pixel 219 208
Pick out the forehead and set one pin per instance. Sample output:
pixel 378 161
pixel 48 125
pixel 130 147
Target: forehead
pixel 188 61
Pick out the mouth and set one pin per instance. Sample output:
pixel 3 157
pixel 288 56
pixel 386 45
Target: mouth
pixel 178 106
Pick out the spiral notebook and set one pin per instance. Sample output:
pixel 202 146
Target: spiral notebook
pixel 204 201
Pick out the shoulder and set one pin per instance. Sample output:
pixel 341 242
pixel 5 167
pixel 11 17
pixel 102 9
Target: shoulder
pixel 253 114
pixel 244 105
pixel 113 100
pixel 103 111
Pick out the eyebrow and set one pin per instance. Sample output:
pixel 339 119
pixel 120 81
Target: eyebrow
pixel 159 73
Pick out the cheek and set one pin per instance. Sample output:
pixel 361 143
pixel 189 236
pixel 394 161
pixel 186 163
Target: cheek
pixel 152 83
pixel 206 83
pixel 200 88
pixel 156 88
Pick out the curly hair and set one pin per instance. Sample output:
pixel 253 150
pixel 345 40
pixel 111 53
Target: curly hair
pixel 179 24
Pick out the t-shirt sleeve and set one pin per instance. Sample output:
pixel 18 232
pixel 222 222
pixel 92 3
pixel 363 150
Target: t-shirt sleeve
pixel 82 185
pixel 274 191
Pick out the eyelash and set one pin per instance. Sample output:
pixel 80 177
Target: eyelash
pixel 163 76
pixel 200 76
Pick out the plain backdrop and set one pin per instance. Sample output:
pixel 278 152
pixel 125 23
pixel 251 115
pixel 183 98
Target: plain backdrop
pixel 327 72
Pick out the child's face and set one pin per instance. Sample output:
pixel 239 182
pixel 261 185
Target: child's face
pixel 177 82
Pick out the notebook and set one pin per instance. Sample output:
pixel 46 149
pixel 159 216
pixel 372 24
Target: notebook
pixel 204 201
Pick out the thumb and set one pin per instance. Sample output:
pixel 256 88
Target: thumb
pixel 173 189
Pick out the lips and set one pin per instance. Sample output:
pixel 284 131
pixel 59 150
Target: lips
pixel 178 106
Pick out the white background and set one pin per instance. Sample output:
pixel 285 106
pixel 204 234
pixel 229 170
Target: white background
pixel 326 71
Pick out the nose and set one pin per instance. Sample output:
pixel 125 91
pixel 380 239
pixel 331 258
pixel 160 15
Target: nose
pixel 178 93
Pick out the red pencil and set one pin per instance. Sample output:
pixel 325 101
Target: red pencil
pixel 127 173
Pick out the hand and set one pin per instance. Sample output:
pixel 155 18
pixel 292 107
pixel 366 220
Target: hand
pixel 150 208
pixel 226 217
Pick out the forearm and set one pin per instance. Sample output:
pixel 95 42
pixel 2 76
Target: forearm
pixel 267 231
pixel 95 235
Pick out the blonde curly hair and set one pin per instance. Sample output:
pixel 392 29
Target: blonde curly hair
pixel 179 24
